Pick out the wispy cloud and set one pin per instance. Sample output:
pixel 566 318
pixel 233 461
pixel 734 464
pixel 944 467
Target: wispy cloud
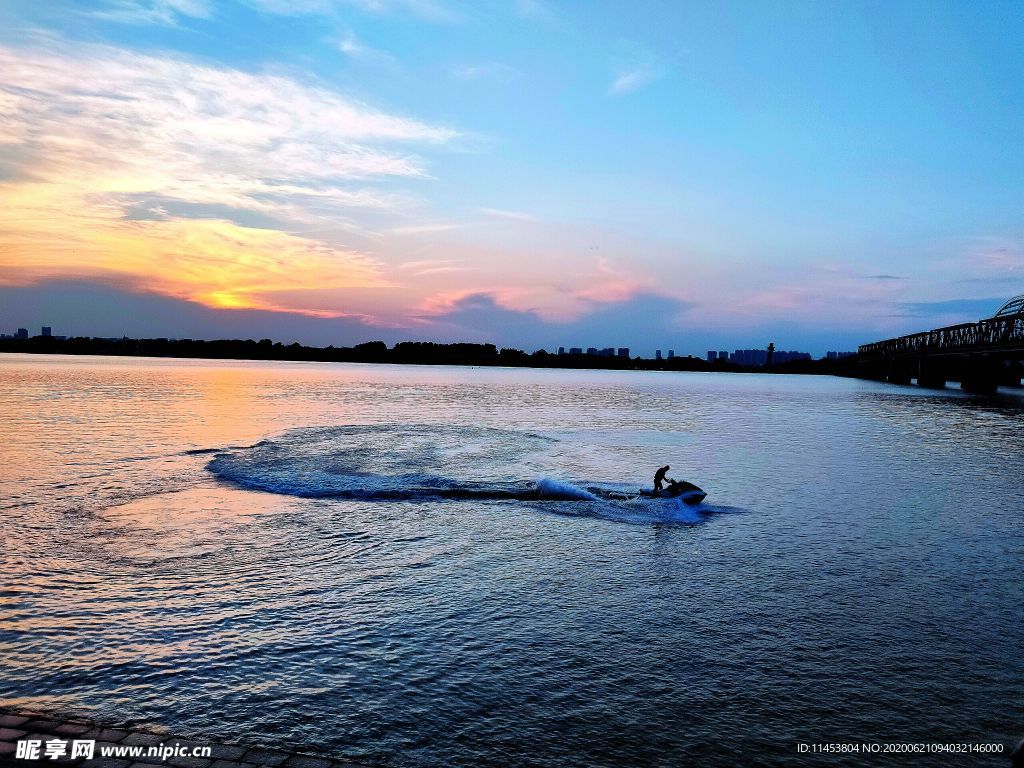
pixel 533 9
pixel 499 213
pixel 951 311
pixel 423 267
pixel 629 80
pixel 984 259
pixel 633 70
pixel 171 12
pixel 161 12
pixel 424 229
pixel 487 70
pixel 355 49
pixel 136 123
pixel 998 254
pixel 428 10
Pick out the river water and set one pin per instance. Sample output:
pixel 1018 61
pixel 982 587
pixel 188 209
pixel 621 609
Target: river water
pixel 416 565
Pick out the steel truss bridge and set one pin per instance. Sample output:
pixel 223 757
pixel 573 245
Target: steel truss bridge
pixel 980 354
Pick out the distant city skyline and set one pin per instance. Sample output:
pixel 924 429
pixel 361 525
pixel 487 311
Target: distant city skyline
pixel 740 356
pixel 377 351
pixel 533 174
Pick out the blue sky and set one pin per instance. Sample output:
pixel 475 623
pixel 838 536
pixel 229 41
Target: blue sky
pixel 658 174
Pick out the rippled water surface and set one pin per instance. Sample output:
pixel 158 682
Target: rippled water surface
pixel 429 566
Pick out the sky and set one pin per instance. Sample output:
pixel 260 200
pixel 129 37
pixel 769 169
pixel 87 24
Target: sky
pixel 532 173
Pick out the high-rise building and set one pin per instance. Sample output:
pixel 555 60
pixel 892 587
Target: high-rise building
pixel 623 352
pixel 561 350
pixel 723 355
pixel 47 330
pixel 712 355
pixel 576 350
pixel 22 333
pixel 591 350
pixel 657 354
pixel 671 354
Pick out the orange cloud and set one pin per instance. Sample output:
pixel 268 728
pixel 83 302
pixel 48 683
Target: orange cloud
pixel 210 261
pixel 226 166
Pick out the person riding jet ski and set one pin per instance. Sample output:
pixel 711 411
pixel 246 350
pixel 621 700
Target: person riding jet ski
pixel 659 479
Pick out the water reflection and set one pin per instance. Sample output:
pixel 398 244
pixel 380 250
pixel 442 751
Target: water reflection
pixel 859 574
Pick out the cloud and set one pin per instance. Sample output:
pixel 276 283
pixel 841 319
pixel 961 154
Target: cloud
pixel 630 80
pixel 498 213
pixel 634 68
pixel 885 277
pixel 536 10
pixel 160 12
pixel 170 124
pixel 424 229
pixel 355 49
pixel 488 70
pixel 167 12
pixel 934 314
pixel 983 259
pixel 212 262
pixel 555 302
pixel 482 316
pixel 421 267
pixel 106 309
pixel 997 255
pixel 94 137
pixel 428 10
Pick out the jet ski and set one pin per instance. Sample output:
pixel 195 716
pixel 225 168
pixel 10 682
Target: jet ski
pixel 688 493
pixel 684 492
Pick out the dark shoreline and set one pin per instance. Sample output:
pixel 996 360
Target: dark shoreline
pixel 403 353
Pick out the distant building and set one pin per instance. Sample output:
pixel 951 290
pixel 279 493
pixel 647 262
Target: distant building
pixel 657 354
pixel 671 354
pixel 712 355
pixel 575 350
pixel 561 350
pixel 749 357
pixel 21 334
pixel 786 357
pixel 753 358
pixel 47 331
pixel 591 350
pixel 839 355
pixel 723 355
pixel 623 352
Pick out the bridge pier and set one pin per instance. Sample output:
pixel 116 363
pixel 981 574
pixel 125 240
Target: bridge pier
pixel 981 375
pixel 1011 374
pixel 873 371
pixel 931 373
pixel 899 372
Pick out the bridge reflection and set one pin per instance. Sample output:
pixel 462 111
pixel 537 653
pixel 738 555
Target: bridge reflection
pixel 981 355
